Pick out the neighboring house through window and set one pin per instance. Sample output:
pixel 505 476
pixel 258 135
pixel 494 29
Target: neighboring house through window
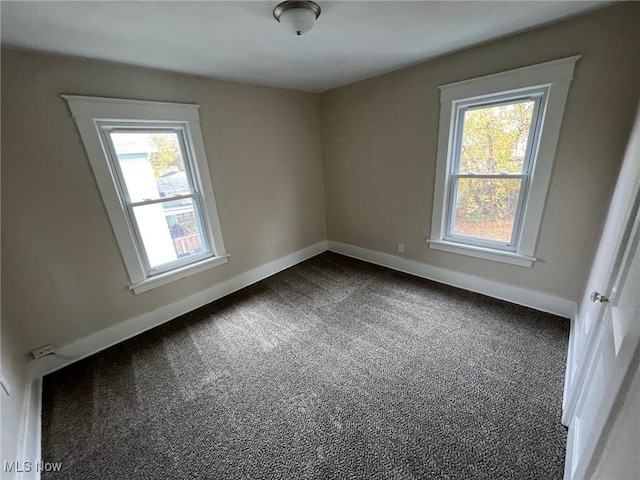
pixel 496 147
pixel 151 168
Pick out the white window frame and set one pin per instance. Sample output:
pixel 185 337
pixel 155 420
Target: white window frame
pixel 92 114
pixel 538 96
pixel 548 83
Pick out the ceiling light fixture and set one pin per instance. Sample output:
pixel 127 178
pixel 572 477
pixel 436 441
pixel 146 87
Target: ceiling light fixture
pixel 297 16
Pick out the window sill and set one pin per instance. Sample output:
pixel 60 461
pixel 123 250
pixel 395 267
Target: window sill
pixel 177 274
pixel 483 252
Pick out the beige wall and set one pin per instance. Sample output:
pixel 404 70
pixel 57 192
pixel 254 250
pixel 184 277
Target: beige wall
pixel 380 141
pixel 14 370
pixel 63 276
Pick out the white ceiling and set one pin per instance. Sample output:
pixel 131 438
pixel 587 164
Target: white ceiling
pixel 241 41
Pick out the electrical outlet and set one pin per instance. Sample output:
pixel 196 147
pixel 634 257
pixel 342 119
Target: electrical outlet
pixel 43 351
pixel 401 248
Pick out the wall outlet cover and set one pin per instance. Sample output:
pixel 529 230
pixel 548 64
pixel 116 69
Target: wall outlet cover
pixel 43 351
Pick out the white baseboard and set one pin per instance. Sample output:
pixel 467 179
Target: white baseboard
pixel 134 326
pixel 522 296
pixel 567 403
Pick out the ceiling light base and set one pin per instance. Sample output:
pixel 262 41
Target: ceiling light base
pixel 298 15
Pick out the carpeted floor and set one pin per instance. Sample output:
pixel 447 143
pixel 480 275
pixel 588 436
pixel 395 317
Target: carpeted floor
pixel 332 369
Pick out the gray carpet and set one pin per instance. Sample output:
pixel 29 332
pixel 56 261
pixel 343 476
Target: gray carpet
pixel 332 369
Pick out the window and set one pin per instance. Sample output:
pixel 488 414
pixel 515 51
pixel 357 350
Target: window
pixel 149 161
pixel 490 169
pixel 496 147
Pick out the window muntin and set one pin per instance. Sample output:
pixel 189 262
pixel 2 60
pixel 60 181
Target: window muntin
pixel 494 147
pixel 154 173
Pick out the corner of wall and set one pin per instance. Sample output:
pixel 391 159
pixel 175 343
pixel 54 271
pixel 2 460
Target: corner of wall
pixel 20 407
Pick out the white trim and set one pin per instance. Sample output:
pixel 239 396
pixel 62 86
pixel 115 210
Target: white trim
pixel 542 167
pixel 556 77
pixel 134 326
pixel 126 109
pixel 482 252
pixel 570 369
pixel 519 295
pixel 179 273
pixel 524 77
pixel 88 112
pixel 32 433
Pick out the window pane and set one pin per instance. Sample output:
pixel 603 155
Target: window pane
pixel 170 231
pixel 494 139
pixel 486 208
pixel 152 164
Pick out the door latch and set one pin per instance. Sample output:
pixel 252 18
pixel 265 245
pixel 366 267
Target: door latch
pixel 597 297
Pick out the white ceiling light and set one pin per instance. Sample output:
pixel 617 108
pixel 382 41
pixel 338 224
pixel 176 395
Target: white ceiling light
pixel 297 16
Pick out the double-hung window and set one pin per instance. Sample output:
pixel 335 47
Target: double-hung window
pixel 149 161
pixel 495 152
pixel 491 167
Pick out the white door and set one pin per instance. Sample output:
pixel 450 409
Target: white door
pixel 606 331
